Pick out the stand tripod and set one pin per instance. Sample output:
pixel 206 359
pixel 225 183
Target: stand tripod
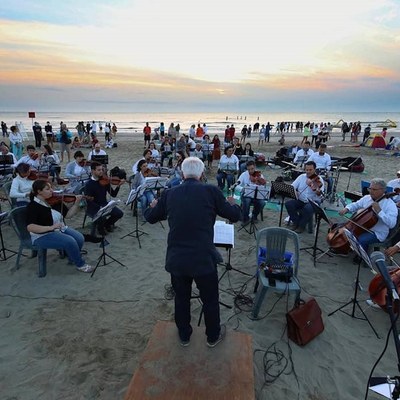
pixel 284 190
pixel 355 245
pixel 102 213
pixel 319 216
pixel 133 197
pixel 3 255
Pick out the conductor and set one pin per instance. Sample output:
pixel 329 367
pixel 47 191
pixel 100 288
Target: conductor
pixel 191 254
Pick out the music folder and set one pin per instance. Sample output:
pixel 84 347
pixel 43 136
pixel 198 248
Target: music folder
pixel 224 234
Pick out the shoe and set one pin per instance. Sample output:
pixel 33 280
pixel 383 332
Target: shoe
pixel 357 260
pixel 109 228
pixel 92 239
pixel 85 268
pixel 169 292
pixel 372 304
pixel 221 337
pixel 293 228
pixel 83 251
pixel 299 230
pixel 102 231
pixel 185 343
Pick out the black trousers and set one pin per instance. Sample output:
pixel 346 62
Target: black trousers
pixel 208 288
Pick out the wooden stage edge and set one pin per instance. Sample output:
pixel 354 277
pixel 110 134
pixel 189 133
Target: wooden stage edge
pixel 169 371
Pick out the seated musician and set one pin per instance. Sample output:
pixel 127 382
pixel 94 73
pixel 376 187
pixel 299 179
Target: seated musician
pixel 247 152
pixel 198 152
pixel 147 156
pixel 96 151
pixel 51 161
pixel 21 186
pixel 395 184
pixel 177 177
pixel 307 186
pixel 303 153
pixel 7 168
pixel 140 179
pixel 237 147
pixel 251 177
pixel 385 210
pixel 181 144
pixel 47 227
pixel 154 152
pixel 32 158
pixel 167 147
pixel 94 188
pixel 77 172
pixel 323 162
pixel 227 168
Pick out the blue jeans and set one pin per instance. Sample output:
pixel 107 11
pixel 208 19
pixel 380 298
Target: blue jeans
pixel 208 289
pixel 71 241
pixel 222 177
pixel 300 213
pixel 365 239
pixel 145 199
pixel 258 206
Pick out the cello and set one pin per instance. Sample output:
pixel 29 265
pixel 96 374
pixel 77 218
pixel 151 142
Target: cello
pixel 357 225
pixel 378 291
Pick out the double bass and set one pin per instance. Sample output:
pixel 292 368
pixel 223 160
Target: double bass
pixel 357 225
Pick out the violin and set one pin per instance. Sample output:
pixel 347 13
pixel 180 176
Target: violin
pixel 33 175
pixel 314 182
pixel 85 163
pixel 111 180
pixel 149 172
pixel 257 178
pixel 358 224
pixel 58 198
pixel 378 291
pixel 35 156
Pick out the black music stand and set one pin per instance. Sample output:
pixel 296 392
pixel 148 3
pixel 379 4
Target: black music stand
pixel 319 216
pixel 351 171
pixel 133 198
pixel 355 245
pixel 5 164
pixel 103 159
pixel 3 255
pixel 286 191
pixel 103 212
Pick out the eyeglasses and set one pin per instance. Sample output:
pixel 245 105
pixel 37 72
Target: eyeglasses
pixel 374 189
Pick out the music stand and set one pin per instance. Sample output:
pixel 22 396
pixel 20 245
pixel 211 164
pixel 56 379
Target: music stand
pixel 355 245
pixel 319 216
pixel 284 190
pixel 102 159
pixel 103 212
pixel 351 171
pixel 255 192
pixel 3 255
pixel 5 164
pixel 154 183
pixel 133 198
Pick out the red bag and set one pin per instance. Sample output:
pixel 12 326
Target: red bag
pixel 304 321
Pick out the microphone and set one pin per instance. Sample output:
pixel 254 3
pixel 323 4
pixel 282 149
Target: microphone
pixel 378 259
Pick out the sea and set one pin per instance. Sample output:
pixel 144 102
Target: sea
pixel 216 121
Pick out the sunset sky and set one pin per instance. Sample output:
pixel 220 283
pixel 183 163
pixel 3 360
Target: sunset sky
pixel 184 55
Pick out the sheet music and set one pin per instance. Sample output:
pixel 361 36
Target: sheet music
pixel 224 234
pixel 106 209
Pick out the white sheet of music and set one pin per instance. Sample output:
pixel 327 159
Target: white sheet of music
pixel 224 234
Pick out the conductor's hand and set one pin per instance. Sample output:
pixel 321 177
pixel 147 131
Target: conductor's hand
pixel 344 211
pixel 231 200
pixel 153 203
pixel 392 250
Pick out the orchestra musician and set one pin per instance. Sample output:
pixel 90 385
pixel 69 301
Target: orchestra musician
pixel 96 151
pixel 177 177
pixel 98 192
pixel 395 184
pixel 206 150
pixel 77 172
pixel 143 172
pixel 248 152
pixel 251 177
pixel 306 151
pixel 32 158
pixel 227 168
pixel 47 229
pixel 21 186
pixel 147 156
pixel 6 168
pixel 323 162
pixel 166 148
pixel 50 159
pixel 385 209
pixel 237 147
pixel 308 186
pixel 191 253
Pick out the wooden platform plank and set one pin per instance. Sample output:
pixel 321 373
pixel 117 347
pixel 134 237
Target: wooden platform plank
pixel 170 371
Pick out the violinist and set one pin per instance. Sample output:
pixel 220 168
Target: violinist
pixel 248 152
pixel 21 186
pixel 32 158
pixel 227 168
pixel 251 177
pixel 307 186
pixel 95 189
pixel 147 156
pixel 323 162
pixel 77 172
pixel 51 161
pixel 304 153
pixel 395 184
pixel 140 178
pixel 177 177
pixel 385 210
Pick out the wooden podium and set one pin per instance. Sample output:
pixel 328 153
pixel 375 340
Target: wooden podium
pixel 169 371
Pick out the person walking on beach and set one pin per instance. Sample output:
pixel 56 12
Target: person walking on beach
pixel 186 261
pixel 147 135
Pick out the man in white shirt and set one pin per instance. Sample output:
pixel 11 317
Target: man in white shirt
pixel 94 129
pixel 227 168
pixel 324 163
pixel 385 209
pixel 97 151
pixel 252 179
pixel 304 152
pixel 32 158
pixel 307 186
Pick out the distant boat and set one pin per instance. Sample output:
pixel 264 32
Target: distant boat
pixel 387 124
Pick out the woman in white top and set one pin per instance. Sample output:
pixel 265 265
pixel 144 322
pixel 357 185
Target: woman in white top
pixel 16 142
pixel 21 186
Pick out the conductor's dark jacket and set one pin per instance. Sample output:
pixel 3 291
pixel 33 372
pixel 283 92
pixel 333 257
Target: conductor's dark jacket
pixel 191 209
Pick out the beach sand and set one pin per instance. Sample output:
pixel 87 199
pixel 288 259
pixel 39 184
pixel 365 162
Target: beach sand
pixel 69 336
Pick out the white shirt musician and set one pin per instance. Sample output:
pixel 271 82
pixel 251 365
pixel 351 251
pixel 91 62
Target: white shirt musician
pixel 323 161
pixel 251 178
pixel 307 186
pixel 227 168
pixel 97 151
pixel 385 210
pixel 395 184
pixel 303 153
